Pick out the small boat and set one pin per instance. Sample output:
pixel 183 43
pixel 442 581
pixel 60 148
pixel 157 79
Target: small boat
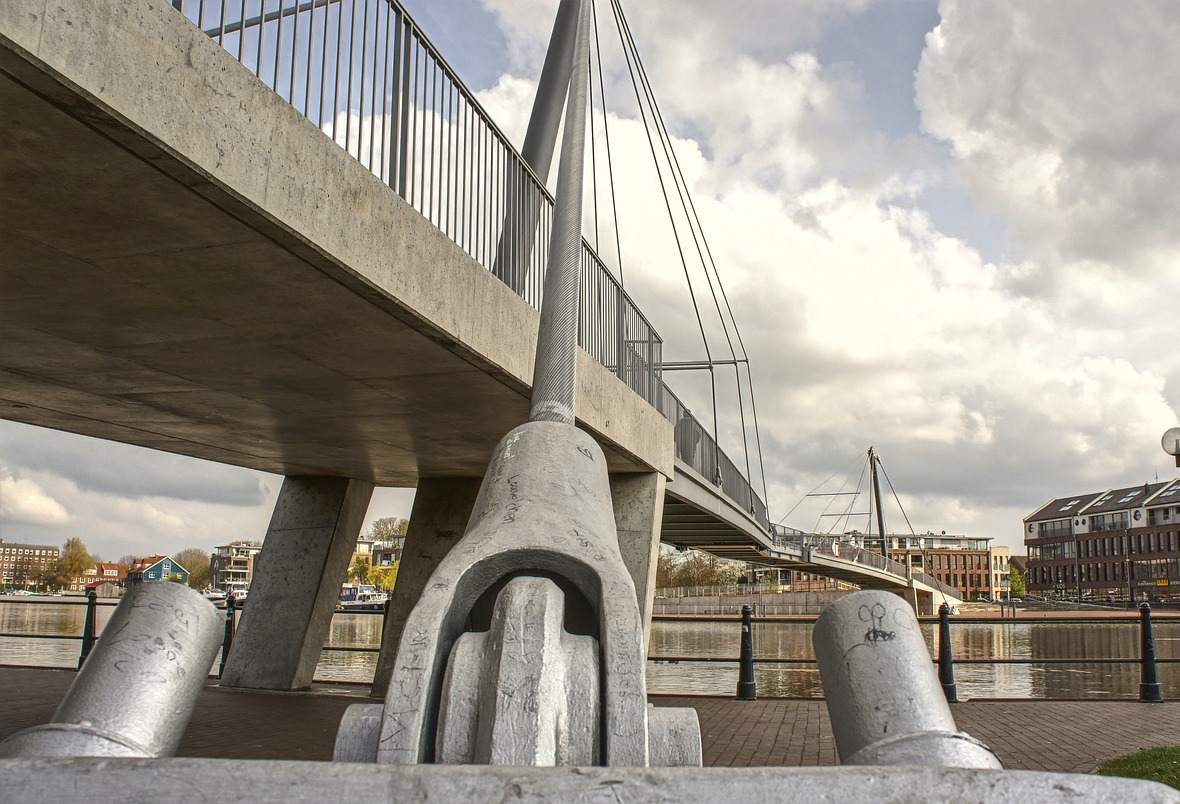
pixel 365 598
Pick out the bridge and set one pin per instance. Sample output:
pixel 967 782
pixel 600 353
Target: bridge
pixel 193 266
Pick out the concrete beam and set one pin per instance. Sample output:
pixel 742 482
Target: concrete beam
pixel 308 547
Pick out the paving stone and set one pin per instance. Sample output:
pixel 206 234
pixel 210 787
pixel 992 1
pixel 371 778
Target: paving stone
pixel 1067 736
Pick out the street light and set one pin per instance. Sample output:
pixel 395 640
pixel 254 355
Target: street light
pixel 1171 443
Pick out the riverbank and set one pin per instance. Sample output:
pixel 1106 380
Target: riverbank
pixel 1066 736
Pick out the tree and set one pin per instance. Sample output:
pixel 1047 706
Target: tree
pixel 1016 587
pixel 359 571
pixel 387 529
pixel 694 568
pixel 196 561
pixel 75 560
pixel 384 577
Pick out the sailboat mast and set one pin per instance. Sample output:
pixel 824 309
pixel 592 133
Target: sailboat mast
pixel 877 502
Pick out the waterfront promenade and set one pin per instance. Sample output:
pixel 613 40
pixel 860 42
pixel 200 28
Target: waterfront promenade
pixel 1069 736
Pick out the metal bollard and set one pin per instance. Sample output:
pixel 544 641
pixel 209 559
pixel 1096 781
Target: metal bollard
pixel 883 699
pixel 746 690
pixel 1149 682
pixel 227 640
pixel 89 626
pixel 946 663
pixel 138 689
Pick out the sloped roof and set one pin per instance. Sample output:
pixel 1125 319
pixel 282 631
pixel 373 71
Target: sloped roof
pixel 1122 499
pixel 1110 500
pixel 1063 507
pixel 147 562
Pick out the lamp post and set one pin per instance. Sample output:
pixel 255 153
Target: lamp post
pixel 1171 443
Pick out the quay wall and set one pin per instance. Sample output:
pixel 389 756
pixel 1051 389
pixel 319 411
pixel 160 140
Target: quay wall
pixel 763 603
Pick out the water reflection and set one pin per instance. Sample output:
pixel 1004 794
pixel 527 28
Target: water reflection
pixel 354 630
pixel 989 641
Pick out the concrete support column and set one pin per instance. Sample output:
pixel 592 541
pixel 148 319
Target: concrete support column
pixel 296 583
pixel 438 519
pixel 639 509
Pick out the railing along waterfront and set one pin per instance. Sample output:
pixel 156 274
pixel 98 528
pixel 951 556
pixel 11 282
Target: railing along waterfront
pixel 729 635
pixel 365 74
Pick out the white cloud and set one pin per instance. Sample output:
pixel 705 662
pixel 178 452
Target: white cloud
pixel 22 500
pixel 1065 118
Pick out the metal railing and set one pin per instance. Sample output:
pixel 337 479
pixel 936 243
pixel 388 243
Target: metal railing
pixel 696 447
pixel 833 546
pixel 365 74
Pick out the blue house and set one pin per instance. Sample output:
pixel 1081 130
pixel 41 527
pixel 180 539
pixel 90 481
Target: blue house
pixel 155 568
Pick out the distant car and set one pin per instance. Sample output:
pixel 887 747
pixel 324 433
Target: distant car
pixel 1015 600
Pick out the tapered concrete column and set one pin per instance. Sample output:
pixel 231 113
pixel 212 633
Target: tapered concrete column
pixel 438 519
pixel 639 510
pixel 308 547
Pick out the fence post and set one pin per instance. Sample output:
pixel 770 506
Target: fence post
pixel 745 687
pixel 946 665
pixel 228 640
pixel 1149 683
pixel 89 625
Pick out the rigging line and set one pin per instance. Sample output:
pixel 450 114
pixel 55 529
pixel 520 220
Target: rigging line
pixel 851 503
pixel 692 218
pixel 610 167
pixel 700 240
pixel 758 441
pixel 659 174
pixel 896 498
pixel 829 477
pixel 629 49
pixel 593 152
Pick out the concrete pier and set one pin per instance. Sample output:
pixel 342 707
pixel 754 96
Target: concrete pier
pixel 309 544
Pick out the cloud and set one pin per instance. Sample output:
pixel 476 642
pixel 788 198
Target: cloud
pixel 1065 119
pixel 124 470
pixel 22 500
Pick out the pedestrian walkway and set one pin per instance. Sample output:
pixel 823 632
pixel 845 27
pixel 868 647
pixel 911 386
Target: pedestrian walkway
pixel 1069 736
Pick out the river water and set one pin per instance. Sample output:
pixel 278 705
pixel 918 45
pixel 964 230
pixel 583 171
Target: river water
pixel 999 640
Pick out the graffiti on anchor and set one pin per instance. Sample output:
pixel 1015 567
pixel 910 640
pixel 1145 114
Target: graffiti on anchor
pixel 875 615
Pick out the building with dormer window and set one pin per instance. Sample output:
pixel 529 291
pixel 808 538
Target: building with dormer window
pixel 1122 544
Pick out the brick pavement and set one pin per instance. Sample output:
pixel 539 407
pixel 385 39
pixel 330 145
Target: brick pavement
pixel 1070 736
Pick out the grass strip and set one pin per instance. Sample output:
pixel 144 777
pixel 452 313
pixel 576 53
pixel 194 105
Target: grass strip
pixel 1160 764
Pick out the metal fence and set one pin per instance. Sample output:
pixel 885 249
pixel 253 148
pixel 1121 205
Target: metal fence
pixel 697 448
pixel 365 74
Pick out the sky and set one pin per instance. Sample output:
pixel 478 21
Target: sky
pixel 946 230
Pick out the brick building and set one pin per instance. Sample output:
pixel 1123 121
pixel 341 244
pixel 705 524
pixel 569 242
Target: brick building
pixel 1119 543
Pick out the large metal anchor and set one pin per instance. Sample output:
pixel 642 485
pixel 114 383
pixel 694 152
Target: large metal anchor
pixel 557 677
